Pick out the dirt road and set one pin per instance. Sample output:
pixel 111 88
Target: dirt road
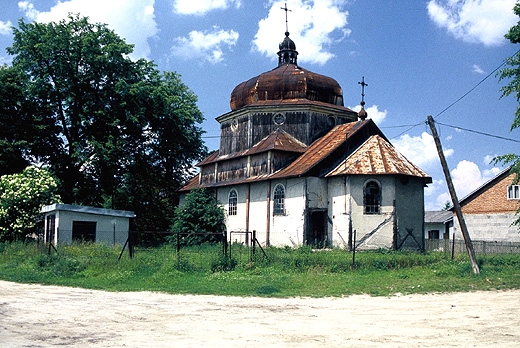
pixel 49 316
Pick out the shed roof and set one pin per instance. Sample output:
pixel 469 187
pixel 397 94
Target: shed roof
pixel 87 210
pixel 438 216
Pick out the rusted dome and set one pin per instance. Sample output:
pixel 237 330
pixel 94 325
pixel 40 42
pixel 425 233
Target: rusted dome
pixel 287 81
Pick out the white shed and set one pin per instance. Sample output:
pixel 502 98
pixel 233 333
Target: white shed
pixel 65 223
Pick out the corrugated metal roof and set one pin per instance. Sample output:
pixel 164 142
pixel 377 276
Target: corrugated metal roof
pixel 278 140
pixel 374 156
pixel 438 216
pixel 321 148
pixel 377 156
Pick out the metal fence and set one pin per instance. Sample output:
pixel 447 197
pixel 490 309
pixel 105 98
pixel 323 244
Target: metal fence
pixel 481 247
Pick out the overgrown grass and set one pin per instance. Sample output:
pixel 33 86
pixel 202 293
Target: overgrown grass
pixel 286 272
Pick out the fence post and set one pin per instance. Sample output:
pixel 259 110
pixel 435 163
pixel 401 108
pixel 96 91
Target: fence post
pixel 453 247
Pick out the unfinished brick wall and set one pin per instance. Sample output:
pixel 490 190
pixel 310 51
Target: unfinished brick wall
pixel 493 199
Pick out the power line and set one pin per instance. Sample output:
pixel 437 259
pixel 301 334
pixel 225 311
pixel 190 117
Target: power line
pixel 474 87
pixel 481 133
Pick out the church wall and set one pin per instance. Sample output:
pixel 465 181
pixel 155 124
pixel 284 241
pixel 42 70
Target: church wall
pixel 410 211
pixel 363 223
pixel 283 229
pixel 339 210
pixel 288 229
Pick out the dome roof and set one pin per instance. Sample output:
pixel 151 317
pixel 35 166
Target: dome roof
pixel 287 82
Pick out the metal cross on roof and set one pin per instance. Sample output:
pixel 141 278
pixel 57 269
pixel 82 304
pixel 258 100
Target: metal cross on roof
pixel 363 84
pixel 286 23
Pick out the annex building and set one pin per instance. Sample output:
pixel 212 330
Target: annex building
pixel 298 167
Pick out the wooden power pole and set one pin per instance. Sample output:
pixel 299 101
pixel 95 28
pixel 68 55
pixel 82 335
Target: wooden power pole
pixel 454 199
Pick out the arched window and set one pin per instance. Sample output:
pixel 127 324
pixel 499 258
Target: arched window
pixel 232 202
pixel 279 200
pixel 372 198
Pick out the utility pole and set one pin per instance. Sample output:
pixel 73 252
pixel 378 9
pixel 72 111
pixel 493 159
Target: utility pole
pixel 454 199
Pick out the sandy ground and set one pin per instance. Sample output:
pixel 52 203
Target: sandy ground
pixel 49 316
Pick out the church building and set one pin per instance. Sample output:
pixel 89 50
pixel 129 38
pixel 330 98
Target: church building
pixel 299 168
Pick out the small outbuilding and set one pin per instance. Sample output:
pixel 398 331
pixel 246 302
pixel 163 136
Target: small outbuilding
pixel 66 223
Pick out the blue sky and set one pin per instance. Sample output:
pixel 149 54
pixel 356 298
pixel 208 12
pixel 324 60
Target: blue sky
pixel 418 58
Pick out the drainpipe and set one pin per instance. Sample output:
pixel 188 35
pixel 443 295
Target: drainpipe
pixel 268 220
pixel 248 194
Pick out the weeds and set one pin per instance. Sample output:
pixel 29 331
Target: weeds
pixel 286 272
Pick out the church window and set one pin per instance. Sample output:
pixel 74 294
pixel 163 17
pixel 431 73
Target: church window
pixel 372 198
pixel 279 119
pixel 279 200
pixel 513 192
pixel 232 202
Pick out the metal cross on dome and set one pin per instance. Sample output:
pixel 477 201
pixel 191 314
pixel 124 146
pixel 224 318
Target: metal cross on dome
pixel 286 23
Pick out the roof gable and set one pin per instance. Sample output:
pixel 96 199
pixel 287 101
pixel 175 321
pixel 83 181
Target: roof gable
pixel 279 140
pixel 377 156
pixel 322 148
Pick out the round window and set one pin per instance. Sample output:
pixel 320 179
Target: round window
pixel 279 119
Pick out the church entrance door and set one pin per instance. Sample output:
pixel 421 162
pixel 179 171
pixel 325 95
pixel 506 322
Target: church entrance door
pixel 317 228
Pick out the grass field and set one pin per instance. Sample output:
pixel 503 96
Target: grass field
pixel 285 271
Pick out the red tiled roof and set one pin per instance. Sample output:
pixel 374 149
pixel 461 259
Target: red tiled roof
pixel 377 156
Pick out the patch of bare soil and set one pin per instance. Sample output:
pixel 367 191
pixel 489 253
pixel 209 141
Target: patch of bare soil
pixel 49 316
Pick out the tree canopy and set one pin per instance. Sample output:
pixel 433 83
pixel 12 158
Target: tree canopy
pixel 22 196
pixel 511 72
pixel 200 219
pixel 116 132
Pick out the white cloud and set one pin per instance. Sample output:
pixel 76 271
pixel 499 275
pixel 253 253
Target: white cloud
pixel 5 28
pixel 200 7
pixel 421 150
pixel 373 112
pixel 133 20
pixel 205 45
pixel 466 177
pixel 314 26
pixel 475 21
pixel 28 7
pixel 477 69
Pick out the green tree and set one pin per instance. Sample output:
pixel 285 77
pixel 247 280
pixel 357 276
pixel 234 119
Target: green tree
pixel 511 72
pixel 447 206
pixel 200 219
pixel 116 132
pixel 22 196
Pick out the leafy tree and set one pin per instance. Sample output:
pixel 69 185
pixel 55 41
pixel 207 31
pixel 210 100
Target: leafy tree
pixel 22 196
pixel 511 72
pixel 116 132
pixel 447 206
pixel 199 219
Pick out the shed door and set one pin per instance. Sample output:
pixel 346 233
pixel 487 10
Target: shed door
pixel 84 231
pixel 317 228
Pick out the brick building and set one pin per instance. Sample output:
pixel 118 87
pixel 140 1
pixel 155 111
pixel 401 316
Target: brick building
pixel 490 210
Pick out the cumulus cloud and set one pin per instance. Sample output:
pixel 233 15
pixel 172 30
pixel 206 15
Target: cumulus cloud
pixel 28 8
pixel 5 28
pixel 200 7
pixel 205 45
pixel 373 112
pixel 477 69
pixel 466 177
pixel 474 21
pixel 133 20
pixel 314 26
pixel 420 150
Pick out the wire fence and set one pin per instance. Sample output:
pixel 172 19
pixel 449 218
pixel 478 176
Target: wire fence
pixel 481 247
